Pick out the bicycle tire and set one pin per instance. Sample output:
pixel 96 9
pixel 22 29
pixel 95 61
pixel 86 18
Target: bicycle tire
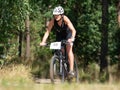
pixel 76 71
pixel 75 78
pixel 54 70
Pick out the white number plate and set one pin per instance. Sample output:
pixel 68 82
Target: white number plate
pixel 55 45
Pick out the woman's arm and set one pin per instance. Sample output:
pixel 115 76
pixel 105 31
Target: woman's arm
pixel 48 29
pixel 70 25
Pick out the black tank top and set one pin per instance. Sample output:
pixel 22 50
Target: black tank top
pixel 63 31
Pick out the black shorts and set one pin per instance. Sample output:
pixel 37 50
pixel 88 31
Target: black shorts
pixel 63 36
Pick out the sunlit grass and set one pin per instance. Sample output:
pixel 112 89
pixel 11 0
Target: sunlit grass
pixel 15 74
pixel 65 86
pixel 18 77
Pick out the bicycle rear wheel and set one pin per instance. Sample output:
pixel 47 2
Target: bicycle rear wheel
pixel 76 71
pixel 55 74
pixel 74 78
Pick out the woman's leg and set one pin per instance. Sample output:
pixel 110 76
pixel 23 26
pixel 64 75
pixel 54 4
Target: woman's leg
pixel 70 56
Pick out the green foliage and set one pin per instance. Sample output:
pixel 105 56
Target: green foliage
pixel 12 21
pixel 88 35
pixel 40 64
pixel 113 35
pixel 13 14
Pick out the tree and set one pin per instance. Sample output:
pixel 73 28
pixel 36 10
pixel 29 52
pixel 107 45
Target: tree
pixel 118 33
pixel 27 30
pixel 118 12
pixel 104 40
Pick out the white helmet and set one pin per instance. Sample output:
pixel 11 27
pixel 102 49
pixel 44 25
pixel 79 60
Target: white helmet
pixel 58 10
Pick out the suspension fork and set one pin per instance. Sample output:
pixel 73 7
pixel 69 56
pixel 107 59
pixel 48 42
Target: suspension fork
pixel 63 55
pixel 65 52
pixel 61 61
pixel 66 58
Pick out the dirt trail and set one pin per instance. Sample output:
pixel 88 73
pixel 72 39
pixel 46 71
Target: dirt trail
pixel 45 81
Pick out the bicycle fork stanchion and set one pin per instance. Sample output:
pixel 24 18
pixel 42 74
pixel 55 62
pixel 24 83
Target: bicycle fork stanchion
pixel 61 67
pixel 54 68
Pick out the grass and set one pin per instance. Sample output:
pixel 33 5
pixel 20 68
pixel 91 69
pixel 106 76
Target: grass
pixel 15 74
pixel 18 77
pixel 64 86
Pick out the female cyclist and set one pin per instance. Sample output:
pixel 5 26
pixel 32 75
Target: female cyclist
pixel 64 31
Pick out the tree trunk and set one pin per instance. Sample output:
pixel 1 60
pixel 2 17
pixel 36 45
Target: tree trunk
pixel 118 32
pixel 118 11
pixel 27 55
pixel 104 42
pixel 20 44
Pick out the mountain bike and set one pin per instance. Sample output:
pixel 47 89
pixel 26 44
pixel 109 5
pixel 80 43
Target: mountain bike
pixel 59 64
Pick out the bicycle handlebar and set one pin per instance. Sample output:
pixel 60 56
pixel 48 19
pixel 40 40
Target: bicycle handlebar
pixel 63 42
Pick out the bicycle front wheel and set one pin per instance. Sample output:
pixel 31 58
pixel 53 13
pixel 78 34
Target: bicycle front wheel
pixel 55 74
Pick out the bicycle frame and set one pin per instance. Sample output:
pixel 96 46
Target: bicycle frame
pixel 62 56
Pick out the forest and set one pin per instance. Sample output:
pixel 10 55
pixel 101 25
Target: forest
pixel 97 43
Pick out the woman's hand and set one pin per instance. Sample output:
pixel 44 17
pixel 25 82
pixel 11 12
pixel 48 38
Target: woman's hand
pixel 71 40
pixel 42 44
